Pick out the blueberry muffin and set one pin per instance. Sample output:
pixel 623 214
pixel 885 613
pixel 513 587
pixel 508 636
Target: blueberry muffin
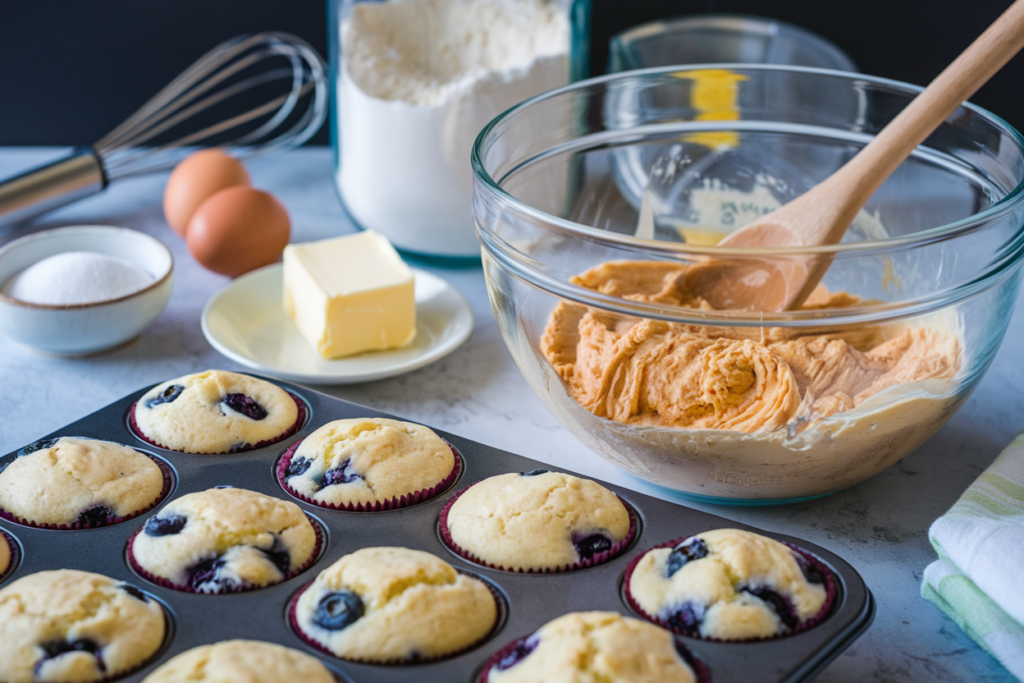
pixel 729 584
pixel 366 461
pixel 537 521
pixel 241 661
pixel 394 604
pixel 224 539
pixel 68 625
pixel 216 412
pixel 583 647
pixel 79 482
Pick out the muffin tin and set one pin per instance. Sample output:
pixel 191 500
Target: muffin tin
pixel 531 599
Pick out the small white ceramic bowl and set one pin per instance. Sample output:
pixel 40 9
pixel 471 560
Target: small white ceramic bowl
pixel 72 330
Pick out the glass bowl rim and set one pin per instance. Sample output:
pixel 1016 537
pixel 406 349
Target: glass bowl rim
pixel 554 224
pixel 870 312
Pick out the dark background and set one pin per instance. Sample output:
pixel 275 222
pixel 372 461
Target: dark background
pixel 71 71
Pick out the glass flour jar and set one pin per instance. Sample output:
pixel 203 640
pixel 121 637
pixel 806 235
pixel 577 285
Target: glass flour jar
pixel 414 82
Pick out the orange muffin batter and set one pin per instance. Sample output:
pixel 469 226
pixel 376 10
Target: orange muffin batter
pixel 656 373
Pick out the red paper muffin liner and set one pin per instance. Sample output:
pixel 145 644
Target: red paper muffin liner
pixel 830 596
pixel 599 558
pixel 420 496
pixel 108 520
pixel 15 555
pixel 700 669
pixel 499 620
pixel 165 583
pixel 299 421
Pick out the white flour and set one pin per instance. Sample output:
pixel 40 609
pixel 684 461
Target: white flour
pixel 76 277
pixel 419 80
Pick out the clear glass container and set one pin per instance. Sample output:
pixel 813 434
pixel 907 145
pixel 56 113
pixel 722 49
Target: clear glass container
pixel 707 38
pixel 737 406
pixel 414 82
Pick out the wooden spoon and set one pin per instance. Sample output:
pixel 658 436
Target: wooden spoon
pixel 822 214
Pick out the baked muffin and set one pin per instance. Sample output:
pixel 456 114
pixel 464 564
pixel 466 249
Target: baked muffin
pixel 394 604
pixel 583 647
pixel 78 482
pixel 367 463
pixel 216 412
pixel 729 584
pixel 241 661
pixel 68 625
pixel 537 521
pixel 224 540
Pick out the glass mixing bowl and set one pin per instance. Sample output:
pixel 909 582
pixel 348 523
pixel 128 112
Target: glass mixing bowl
pixel 737 405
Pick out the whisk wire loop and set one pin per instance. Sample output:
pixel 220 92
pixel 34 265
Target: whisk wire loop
pixel 124 151
pixel 266 121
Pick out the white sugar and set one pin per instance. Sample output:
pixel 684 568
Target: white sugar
pixel 77 277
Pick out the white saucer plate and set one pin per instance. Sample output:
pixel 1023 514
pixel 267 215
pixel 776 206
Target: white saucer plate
pixel 246 322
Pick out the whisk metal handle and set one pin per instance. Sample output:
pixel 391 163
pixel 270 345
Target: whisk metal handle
pixel 45 188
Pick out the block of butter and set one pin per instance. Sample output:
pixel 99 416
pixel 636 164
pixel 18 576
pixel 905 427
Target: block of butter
pixel 350 294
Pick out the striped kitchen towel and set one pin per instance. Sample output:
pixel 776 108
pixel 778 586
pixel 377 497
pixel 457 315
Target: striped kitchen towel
pixel 980 541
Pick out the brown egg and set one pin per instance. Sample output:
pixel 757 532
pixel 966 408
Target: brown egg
pixel 197 178
pixel 237 230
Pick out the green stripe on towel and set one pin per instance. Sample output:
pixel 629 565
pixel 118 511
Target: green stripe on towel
pixel 1004 485
pixel 992 506
pixel 973 611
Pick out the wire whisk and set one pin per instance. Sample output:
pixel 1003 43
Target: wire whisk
pixel 256 95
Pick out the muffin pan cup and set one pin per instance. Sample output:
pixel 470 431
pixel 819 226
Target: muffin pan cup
pixel 821 567
pixel 165 470
pixel 405 500
pixel 532 599
pixel 300 421
pixel 167 583
pixel 596 559
pixel 501 612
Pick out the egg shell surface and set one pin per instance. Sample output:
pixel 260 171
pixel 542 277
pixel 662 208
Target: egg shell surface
pixel 237 230
pixel 196 179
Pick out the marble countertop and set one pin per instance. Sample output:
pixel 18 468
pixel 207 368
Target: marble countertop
pixel 879 526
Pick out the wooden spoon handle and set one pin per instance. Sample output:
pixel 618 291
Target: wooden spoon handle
pixel 822 214
pixel 863 175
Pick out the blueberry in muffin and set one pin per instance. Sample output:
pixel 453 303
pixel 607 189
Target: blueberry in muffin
pixel 729 584
pixel 223 540
pixel 216 412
